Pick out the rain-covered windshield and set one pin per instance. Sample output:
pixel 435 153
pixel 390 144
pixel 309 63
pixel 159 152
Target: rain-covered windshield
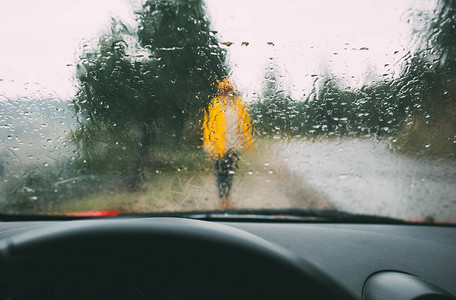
pixel 113 106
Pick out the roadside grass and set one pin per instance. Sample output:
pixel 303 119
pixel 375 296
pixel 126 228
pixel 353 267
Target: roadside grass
pixel 439 141
pixel 186 182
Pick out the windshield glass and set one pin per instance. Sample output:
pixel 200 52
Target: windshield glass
pixel 120 106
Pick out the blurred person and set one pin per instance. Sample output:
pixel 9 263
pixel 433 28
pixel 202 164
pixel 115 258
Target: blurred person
pixel 228 132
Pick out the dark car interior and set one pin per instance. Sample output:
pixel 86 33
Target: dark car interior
pixel 176 258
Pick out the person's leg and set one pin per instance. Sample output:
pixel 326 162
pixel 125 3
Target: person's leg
pixel 225 167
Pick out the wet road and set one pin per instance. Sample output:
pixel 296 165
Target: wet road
pixel 363 176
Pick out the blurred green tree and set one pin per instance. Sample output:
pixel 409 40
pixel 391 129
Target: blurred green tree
pixel 145 87
pixel 328 108
pixel 427 85
pixel 274 113
pixel 376 109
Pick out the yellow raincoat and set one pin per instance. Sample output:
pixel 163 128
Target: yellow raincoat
pixel 227 124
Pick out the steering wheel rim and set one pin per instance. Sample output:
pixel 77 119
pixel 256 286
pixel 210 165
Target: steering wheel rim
pixel 75 241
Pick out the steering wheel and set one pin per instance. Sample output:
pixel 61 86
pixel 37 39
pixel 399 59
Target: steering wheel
pixel 171 243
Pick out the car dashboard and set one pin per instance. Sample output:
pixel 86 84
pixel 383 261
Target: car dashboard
pixel 142 258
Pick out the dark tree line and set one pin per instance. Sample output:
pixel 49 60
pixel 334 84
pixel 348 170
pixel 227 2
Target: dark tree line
pixel 331 109
pixel 419 107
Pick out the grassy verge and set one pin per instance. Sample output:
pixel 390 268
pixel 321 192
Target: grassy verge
pixel 187 183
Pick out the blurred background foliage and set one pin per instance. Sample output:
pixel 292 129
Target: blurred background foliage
pixel 144 89
pixel 417 110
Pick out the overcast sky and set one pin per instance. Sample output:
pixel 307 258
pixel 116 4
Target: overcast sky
pixel 41 39
pixel 347 38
